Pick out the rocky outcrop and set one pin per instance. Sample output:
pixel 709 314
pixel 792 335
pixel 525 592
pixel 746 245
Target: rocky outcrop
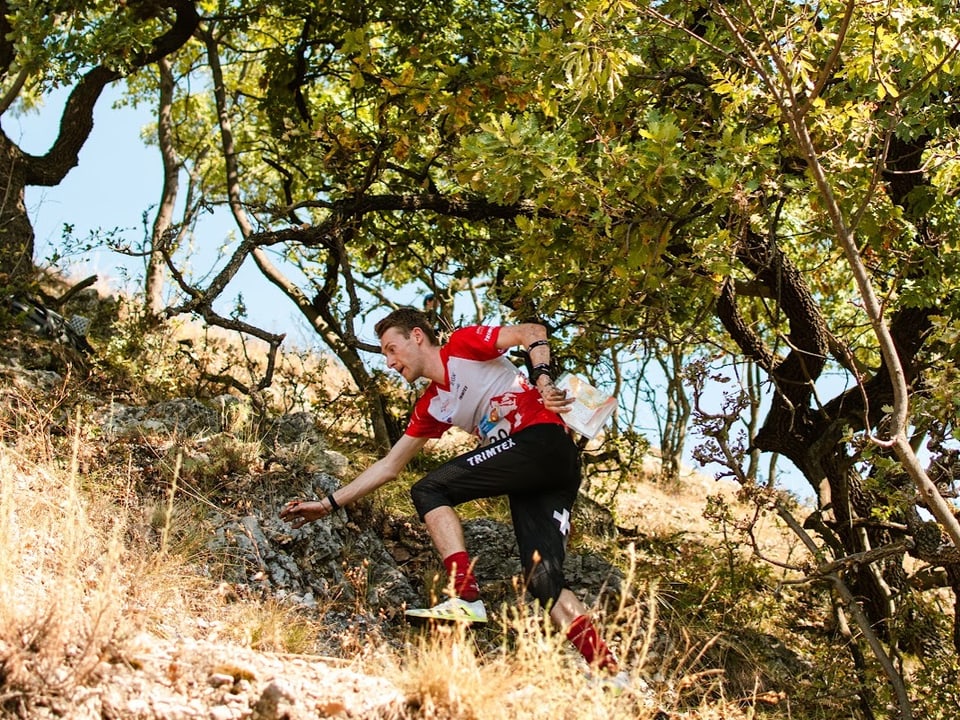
pixel 320 562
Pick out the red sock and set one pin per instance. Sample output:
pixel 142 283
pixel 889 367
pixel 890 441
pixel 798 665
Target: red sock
pixel 584 635
pixel 464 583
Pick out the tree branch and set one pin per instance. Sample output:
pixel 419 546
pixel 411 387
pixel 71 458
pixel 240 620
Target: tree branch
pixel 77 120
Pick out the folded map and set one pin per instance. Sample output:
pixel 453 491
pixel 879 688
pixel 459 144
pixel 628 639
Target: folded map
pixel 591 409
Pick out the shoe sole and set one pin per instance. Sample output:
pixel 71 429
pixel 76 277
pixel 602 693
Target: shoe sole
pixel 427 615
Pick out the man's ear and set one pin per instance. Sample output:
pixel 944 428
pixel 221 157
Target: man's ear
pixel 417 335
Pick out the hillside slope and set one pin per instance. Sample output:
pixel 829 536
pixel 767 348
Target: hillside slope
pixel 145 574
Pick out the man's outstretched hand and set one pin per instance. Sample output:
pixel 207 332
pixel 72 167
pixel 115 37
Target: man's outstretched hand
pixel 299 512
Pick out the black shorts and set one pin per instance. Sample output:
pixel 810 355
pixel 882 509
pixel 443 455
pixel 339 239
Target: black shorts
pixel 538 469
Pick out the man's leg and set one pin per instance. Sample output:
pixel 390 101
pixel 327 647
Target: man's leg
pixel 573 617
pixel 541 521
pixel 446 531
pixel 493 470
pixel 541 534
pixel 567 608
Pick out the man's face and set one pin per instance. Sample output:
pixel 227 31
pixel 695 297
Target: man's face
pixel 404 354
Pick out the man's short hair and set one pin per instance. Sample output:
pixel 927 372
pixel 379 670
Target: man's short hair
pixel 405 319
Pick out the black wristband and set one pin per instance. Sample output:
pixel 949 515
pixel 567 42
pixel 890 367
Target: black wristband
pixel 334 505
pixel 537 343
pixel 538 370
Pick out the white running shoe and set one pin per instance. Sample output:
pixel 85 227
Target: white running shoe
pixel 616 684
pixel 454 610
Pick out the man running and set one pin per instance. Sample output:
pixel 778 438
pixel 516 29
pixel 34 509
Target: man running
pixel 526 454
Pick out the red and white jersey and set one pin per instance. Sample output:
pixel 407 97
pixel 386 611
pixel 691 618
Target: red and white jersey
pixel 484 394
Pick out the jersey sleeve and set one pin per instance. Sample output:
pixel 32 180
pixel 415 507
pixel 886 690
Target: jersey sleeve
pixel 422 424
pixel 477 342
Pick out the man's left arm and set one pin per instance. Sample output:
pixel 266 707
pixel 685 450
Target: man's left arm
pixel 533 338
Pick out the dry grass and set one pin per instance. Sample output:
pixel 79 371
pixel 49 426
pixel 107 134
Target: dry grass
pixel 81 577
pixel 59 567
pixel 445 675
pixel 536 675
pixel 669 511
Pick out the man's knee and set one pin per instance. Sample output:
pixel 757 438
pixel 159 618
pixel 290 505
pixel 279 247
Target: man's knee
pixel 545 582
pixel 426 496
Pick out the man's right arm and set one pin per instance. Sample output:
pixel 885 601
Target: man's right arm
pixel 384 470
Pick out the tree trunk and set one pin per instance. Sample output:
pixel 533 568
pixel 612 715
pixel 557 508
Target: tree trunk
pixel 16 232
pixel 674 434
pixel 20 169
pixel 157 266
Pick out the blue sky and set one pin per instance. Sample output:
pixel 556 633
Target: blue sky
pixel 117 180
pixel 112 185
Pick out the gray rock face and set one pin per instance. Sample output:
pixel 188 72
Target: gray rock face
pixel 331 559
